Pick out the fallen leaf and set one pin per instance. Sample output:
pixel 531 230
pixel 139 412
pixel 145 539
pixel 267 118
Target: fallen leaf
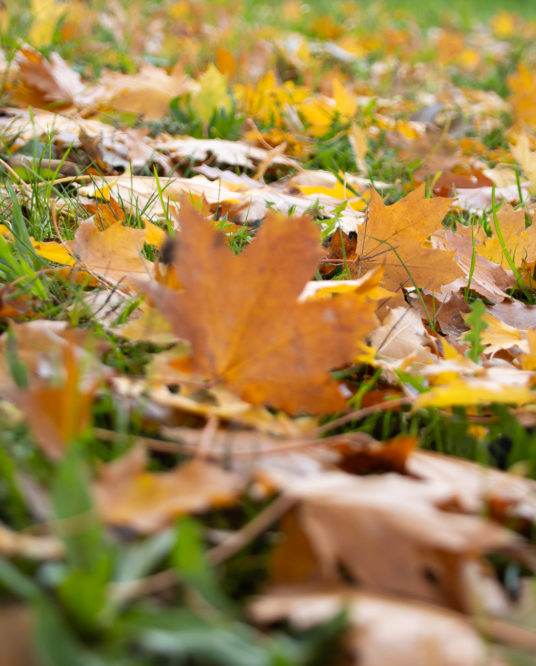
pixel 474 391
pixel 523 87
pixel 49 81
pixel 395 236
pixel 58 414
pixel 383 630
pixel 485 277
pixel 115 253
pixel 211 95
pixel 242 316
pixel 234 153
pixel 407 544
pixel 499 335
pixel 127 495
pixel 519 242
pixel 400 335
pixel 147 92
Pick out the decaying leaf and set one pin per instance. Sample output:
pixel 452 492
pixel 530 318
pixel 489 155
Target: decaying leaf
pixel 57 414
pixel 148 92
pixel 128 495
pixel 113 251
pixel 242 316
pixel 383 630
pixel 50 81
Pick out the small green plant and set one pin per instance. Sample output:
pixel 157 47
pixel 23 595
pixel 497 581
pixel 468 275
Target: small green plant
pixel 477 326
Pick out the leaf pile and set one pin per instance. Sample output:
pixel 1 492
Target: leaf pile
pixel 268 336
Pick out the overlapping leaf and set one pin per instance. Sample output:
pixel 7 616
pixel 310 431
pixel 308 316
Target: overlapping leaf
pixel 242 316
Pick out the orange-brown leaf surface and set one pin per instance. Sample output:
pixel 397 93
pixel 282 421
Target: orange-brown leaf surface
pixel 129 495
pixel 396 237
pixel 242 316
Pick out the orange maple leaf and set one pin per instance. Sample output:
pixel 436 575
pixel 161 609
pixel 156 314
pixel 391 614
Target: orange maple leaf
pixel 243 319
pixel 58 414
pixel 396 236
pixel 519 242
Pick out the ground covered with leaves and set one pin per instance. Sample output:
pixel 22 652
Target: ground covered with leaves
pixel 267 334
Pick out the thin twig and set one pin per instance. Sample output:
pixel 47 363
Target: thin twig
pixel 506 633
pixel 129 590
pixel 161 445
pixel 163 580
pixel 361 413
pixel 251 530
pixel 16 176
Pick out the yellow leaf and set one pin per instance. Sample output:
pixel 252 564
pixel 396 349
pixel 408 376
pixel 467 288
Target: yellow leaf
pixel 345 102
pixel 318 113
pixel 45 15
pixel 338 191
pixel 528 361
pixel 474 392
pixel 519 242
pixel 358 141
pixel 154 235
pixel 523 97
pixel 53 251
pixel 503 24
pixel 525 157
pixel 212 94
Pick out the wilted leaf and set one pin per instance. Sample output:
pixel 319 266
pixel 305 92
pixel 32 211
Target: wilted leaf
pixel 383 630
pixel 519 242
pixel 475 392
pixel 523 86
pixel 242 315
pixel 392 535
pixel 115 252
pixel 128 495
pixel 57 414
pixel 49 81
pixel 147 92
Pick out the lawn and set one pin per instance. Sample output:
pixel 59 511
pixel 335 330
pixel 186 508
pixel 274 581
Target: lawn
pixel 267 333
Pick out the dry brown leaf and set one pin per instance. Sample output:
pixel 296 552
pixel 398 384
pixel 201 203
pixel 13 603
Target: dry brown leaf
pixel 235 153
pixel 148 92
pixel 488 279
pixel 374 456
pixel 401 334
pixel 41 344
pixel 128 495
pixel 242 316
pixel 57 414
pixel 115 254
pixel 477 489
pixel 480 199
pixel 515 313
pixel 402 229
pixel 49 81
pixel 383 630
pixel 392 535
